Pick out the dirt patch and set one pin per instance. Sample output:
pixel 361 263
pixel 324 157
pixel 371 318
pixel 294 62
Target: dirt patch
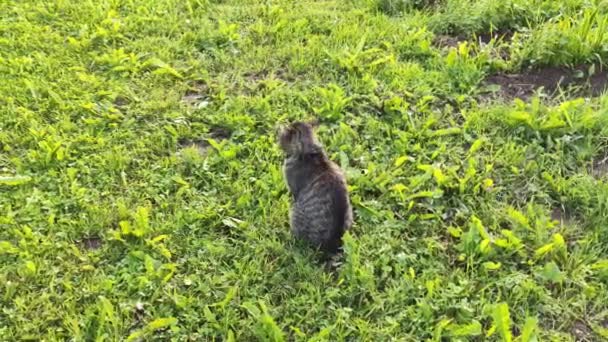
pixel 192 98
pixel 500 50
pixel 566 218
pixel 199 87
pixel 484 38
pixel 196 94
pixel 581 332
pixel 92 242
pixel 445 41
pixel 599 167
pixel 219 133
pixel 550 79
pixel 256 76
pixel 261 80
pixel 121 101
pixel 599 82
pixel 201 144
pixel 502 36
pixel 559 214
pixel 281 74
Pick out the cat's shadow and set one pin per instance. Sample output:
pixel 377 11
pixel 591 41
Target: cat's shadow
pixel 329 262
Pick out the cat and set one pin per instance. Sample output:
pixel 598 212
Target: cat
pixel 321 211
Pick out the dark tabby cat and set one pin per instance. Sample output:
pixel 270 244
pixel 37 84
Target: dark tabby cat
pixel 321 210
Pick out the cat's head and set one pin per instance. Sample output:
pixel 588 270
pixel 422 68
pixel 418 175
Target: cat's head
pixel 299 138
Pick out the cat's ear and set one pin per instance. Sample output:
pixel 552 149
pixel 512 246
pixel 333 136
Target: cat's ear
pixel 314 123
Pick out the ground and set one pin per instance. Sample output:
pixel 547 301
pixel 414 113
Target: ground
pixel 141 194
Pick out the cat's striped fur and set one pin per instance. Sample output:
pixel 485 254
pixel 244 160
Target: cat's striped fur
pixel 321 210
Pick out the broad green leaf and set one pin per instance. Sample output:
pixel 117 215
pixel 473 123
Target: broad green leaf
pixel 513 241
pixel 552 273
pixel 484 246
pixel 502 321
pixel 161 323
pixel 600 330
pixel 161 67
pixel 412 273
pixel 156 324
pixel 230 337
pixel 14 180
pixel 160 238
pixel 558 241
pixel 400 161
pixel 517 217
pixel 426 194
pixel 447 131
pixel 600 265
pixel 440 178
pixel 7 248
pixel 209 316
pixel 503 243
pixel 269 326
pixel 478 225
pixel 438 332
pixel 542 251
pixel 471 329
pixel 164 251
pixel 30 267
pixel 254 311
pixel 179 180
pixel 490 265
pixel 520 118
pixel 455 232
pixel 125 227
pixel 477 144
pixel 528 333
pixel 149 264
pixel 229 296
pixel 399 187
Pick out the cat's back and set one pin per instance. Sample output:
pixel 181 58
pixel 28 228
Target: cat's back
pixel 322 210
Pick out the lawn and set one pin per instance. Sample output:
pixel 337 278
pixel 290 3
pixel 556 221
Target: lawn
pixel 142 197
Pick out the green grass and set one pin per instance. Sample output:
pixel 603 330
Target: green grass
pixel 114 226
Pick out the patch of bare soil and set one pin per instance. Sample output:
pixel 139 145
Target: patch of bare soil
pixel 582 332
pixel 558 214
pixel 550 79
pixel 201 144
pixel 219 133
pixel 599 167
pixel 196 93
pixel 500 50
pixel 256 81
pixel 121 101
pixel 92 242
pixel 447 41
pixel 256 78
pixel 484 38
pixel 487 37
pixel 565 217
